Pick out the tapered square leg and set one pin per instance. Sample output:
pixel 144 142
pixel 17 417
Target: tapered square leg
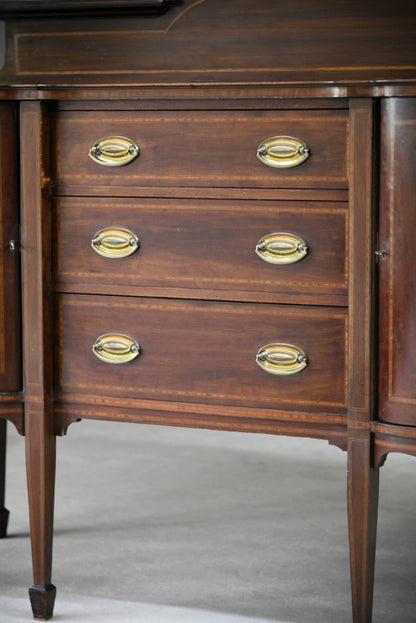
pixel 38 364
pixel 40 463
pixel 363 490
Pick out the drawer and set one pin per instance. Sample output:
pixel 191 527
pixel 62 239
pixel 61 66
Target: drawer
pixel 201 352
pixel 200 149
pixel 251 249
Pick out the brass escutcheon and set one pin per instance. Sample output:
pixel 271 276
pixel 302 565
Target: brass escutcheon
pixel 281 359
pixel 116 348
pixel 115 242
pixel 281 248
pixel 114 151
pixel 283 152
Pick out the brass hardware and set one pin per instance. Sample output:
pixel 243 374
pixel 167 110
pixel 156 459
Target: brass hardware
pixel 115 242
pixel 116 348
pixel 114 151
pixel 281 248
pixel 381 254
pixel 12 245
pixel 281 359
pixel 283 152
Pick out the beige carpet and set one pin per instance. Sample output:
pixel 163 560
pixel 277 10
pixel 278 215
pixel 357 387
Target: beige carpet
pixel 158 524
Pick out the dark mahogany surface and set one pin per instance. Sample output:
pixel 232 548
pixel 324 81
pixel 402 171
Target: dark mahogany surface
pixel 328 43
pixel 10 321
pixel 398 263
pixel 203 352
pixel 198 87
pixel 208 245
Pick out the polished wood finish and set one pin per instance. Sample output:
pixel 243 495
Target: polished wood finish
pixel 201 149
pixel 198 89
pixel 392 438
pixel 10 332
pixel 38 367
pixel 188 247
pixel 10 358
pixel 202 352
pixel 398 263
pixel 366 47
pixel 363 479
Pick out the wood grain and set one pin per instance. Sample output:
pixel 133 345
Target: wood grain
pixel 202 246
pixel 202 352
pixel 206 41
pixel 398 264
pixel 37 351
pixel 10 317
pixel 202 149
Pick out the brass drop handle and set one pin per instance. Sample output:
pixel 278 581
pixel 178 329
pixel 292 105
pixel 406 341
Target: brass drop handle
pixel 116 348
pixel 281 359
pixel 281 248
pixel 115 242
pixel 114 151
pixel 283 152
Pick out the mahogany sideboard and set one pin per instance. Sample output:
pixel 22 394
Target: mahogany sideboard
pixel 216 230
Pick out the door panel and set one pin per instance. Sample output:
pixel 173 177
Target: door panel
pixel 10 325
pixel 398 263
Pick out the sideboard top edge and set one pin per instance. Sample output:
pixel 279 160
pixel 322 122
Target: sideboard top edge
pixel 205 91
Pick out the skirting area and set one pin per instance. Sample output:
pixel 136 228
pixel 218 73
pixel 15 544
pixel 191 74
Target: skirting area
pixel 163 525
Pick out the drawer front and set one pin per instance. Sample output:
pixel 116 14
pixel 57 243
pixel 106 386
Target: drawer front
pixel 201 352
pixel 201 149
pixel 253 247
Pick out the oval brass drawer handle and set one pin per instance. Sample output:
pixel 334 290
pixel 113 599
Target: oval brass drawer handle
pixel 283 152
pixel 281 248
pixel 281 359
pixel 114 151
pixel 115 242
pixel 116 348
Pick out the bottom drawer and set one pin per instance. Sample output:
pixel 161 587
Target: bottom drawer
pixel 202 352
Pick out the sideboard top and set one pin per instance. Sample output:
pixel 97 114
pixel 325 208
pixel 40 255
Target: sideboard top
pixel 331 44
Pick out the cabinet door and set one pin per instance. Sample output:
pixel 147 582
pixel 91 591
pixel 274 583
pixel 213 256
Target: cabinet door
pixel 398 262
pixel 10 324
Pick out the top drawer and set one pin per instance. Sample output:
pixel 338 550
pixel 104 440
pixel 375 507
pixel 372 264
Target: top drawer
pixel 202 149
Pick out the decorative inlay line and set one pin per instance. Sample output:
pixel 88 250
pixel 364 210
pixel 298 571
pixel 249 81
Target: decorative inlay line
pixel 210 410
pixel 198 71
pixel 216 208
pixel 392 212
pixel 168 306
pixel 112 32
pixel 208 119
pixel 215 280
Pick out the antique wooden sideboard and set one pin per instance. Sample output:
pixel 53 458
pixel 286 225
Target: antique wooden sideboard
pixel 216 230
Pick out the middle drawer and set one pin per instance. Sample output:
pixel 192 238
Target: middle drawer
pixel 244 249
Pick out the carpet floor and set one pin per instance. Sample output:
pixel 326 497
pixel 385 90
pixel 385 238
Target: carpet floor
pixel 163 525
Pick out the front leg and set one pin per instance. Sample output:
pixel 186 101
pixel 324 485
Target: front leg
pixel 363 490
pixel 40 465
pixel 38 363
